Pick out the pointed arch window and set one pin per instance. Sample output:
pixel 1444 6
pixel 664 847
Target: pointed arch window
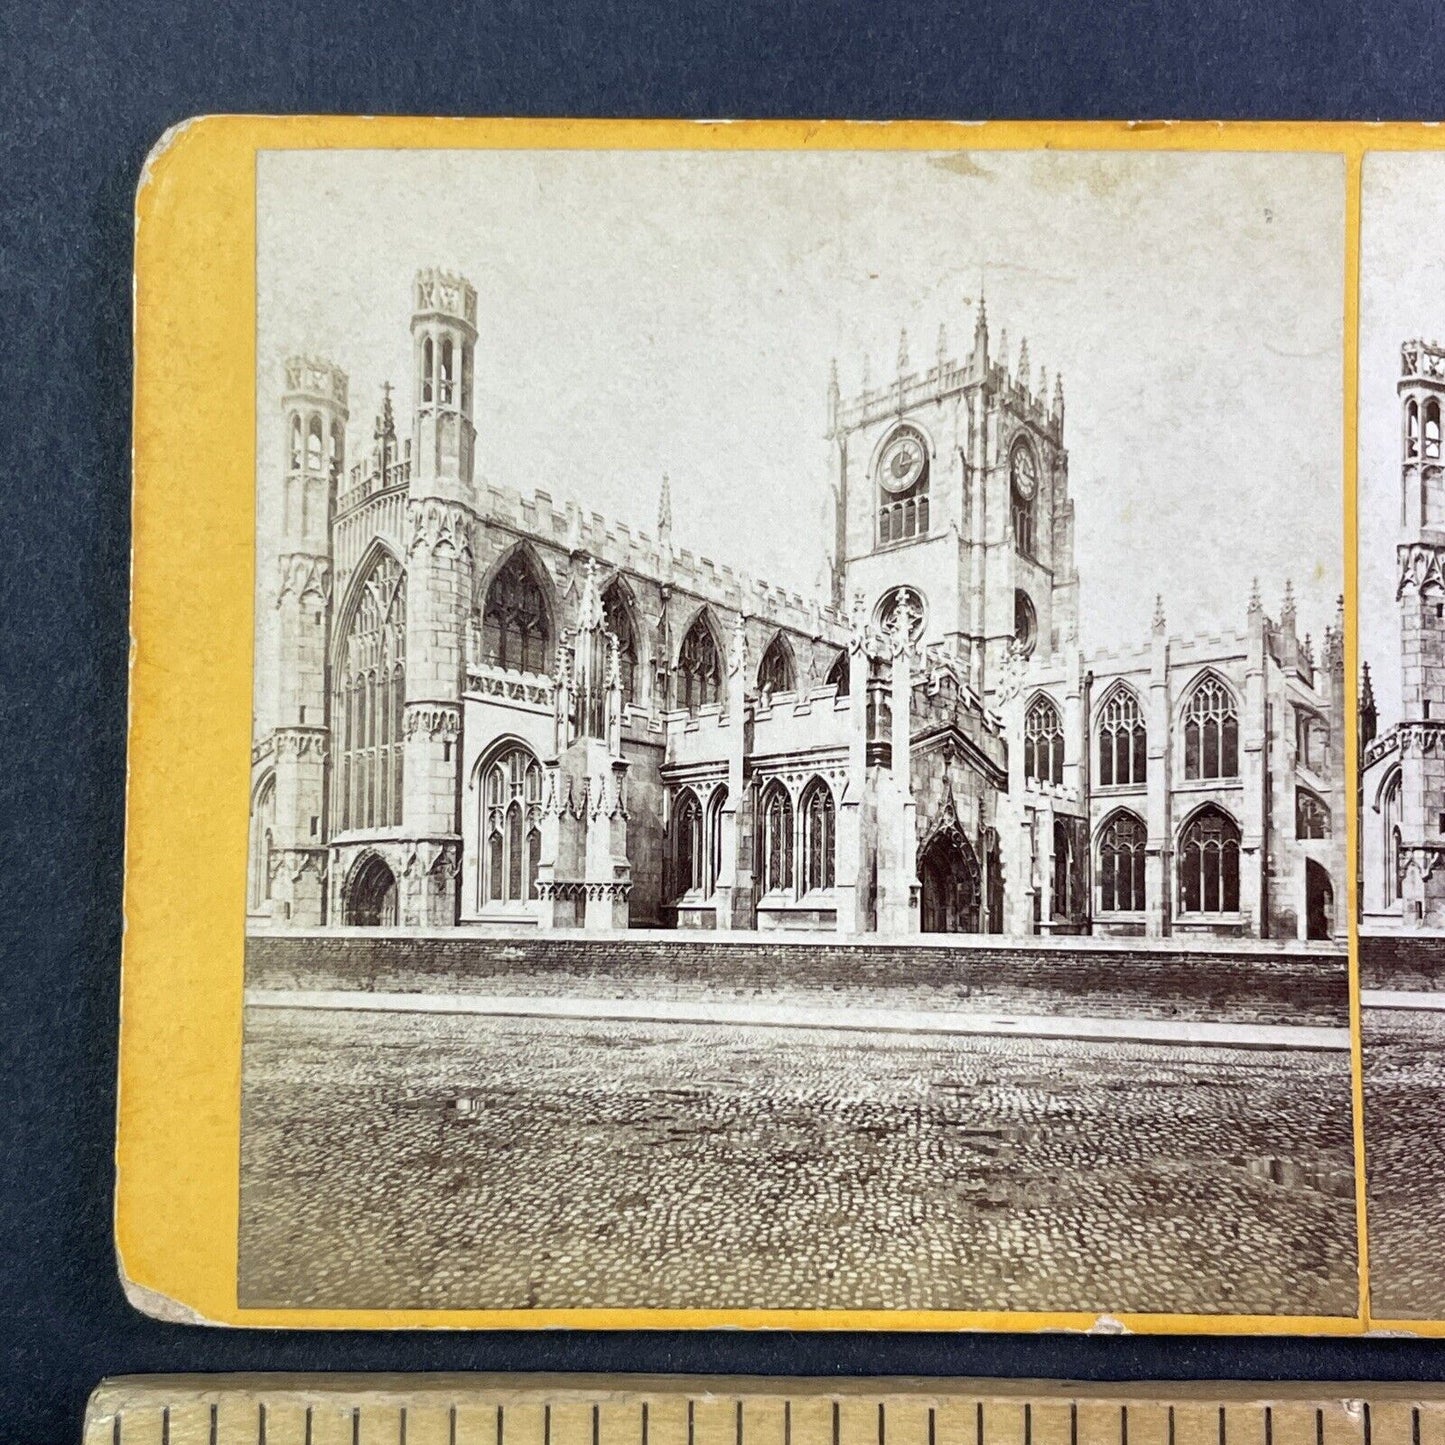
pixel 516 633
pixel 1121 864
pixel 1123 741
pixel 777 840
pixel 618 616
pixel 775 671
pixel 1311 817
pixel 428 368
pixel 446 371
pixel 1043 742
pixel 511 818
pixel 370 702
pixel 1392 817
pixel 295 443
pixel 819 836
pixel 313 444
pixel 1432 430
pixel 903 468
pixel 263 841
pixel 1023 471
pixel 839 675
pixel 1211 732
pixel 688 847
pixel 699 675
pixel 715 836
pixel 336 451
pixel 1209 863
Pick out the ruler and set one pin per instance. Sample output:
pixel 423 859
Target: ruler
pixel 719 1410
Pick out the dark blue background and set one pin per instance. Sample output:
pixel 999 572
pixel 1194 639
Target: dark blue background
pixel 84 91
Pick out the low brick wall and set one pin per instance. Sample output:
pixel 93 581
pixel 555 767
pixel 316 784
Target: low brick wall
pixel 1218 985
pixel 1408 961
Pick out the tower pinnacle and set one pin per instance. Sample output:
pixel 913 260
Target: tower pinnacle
pixel 980 335
pixel 664 511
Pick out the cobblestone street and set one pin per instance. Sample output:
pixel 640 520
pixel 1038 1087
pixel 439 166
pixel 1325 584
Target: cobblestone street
pixel 1404 1059
pixel 448 1161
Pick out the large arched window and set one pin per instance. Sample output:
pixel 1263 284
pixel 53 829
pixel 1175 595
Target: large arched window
pixel 777 840
pixel 1043 742
pixel 1121 864
pixel 715 806
pixel 1432 430
pixel 1391 817
pixel 699 676
pixel 839 678
pixel 1311 817
pixel 903 487
pixel 1209 863
pixel 314 444
pixel 775 671
pixel 446 372
pixel 1023 471
pixel 688 844
pixel 516 632
pixel 263 841
pixel 1123 741
pixel 511 823
pixel 819 833
pixel 370 701
pixel 618 615
pixel 1211 731
pixel 295 443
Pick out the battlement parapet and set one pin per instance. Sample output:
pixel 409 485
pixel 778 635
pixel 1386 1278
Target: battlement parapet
pixel 616 544
pixel 438 292
pixel 1422 361
pixel 317 379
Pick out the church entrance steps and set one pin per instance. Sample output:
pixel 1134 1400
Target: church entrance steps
pixel 1223 985
pixel 796 1016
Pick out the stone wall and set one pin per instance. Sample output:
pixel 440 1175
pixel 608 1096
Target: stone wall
pixel 1216 985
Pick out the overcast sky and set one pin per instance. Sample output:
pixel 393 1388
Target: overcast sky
pixel 650 311
pixel 1402 295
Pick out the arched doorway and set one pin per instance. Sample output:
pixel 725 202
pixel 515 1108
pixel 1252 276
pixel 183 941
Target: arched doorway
pixel 371 901
pixel 1319 901
pixel 948 872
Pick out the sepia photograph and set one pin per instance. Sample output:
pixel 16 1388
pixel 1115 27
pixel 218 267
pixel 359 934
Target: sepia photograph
pixel 1401 501
pixel 799 732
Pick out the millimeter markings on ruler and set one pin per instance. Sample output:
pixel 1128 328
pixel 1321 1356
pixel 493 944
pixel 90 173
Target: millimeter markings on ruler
pixel 722 1410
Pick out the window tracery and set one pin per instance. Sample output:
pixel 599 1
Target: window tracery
pixel 1211 732
pixel 1123 741
pixel 511 828
pixel 1043 742
pixel 699 673
pixel 1209 863
pixel 1121 864
pixel 516 633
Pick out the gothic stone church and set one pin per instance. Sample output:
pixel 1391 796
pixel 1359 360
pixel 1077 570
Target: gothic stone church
pixel 497 710
pixel 1402 770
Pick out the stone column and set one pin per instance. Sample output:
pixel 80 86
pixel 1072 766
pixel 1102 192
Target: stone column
pixel 897 827
pixel 851 847
pixel 734 900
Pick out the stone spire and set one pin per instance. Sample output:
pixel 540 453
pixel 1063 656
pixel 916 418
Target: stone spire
pixel 835 395
pixel 1369 713
pixel 1159 623
pixel 386 420
pixel 589 610
pixel 1003 348
pixel 1256 602
pixel 1023 372
pixel 1058 393
pixel 1287 610
pixel 979 362
pixel 664 513
pixel 903 351
pixel 1043 392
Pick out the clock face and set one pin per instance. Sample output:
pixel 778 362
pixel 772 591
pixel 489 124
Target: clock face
pixel 902 463
pixel 1025 473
